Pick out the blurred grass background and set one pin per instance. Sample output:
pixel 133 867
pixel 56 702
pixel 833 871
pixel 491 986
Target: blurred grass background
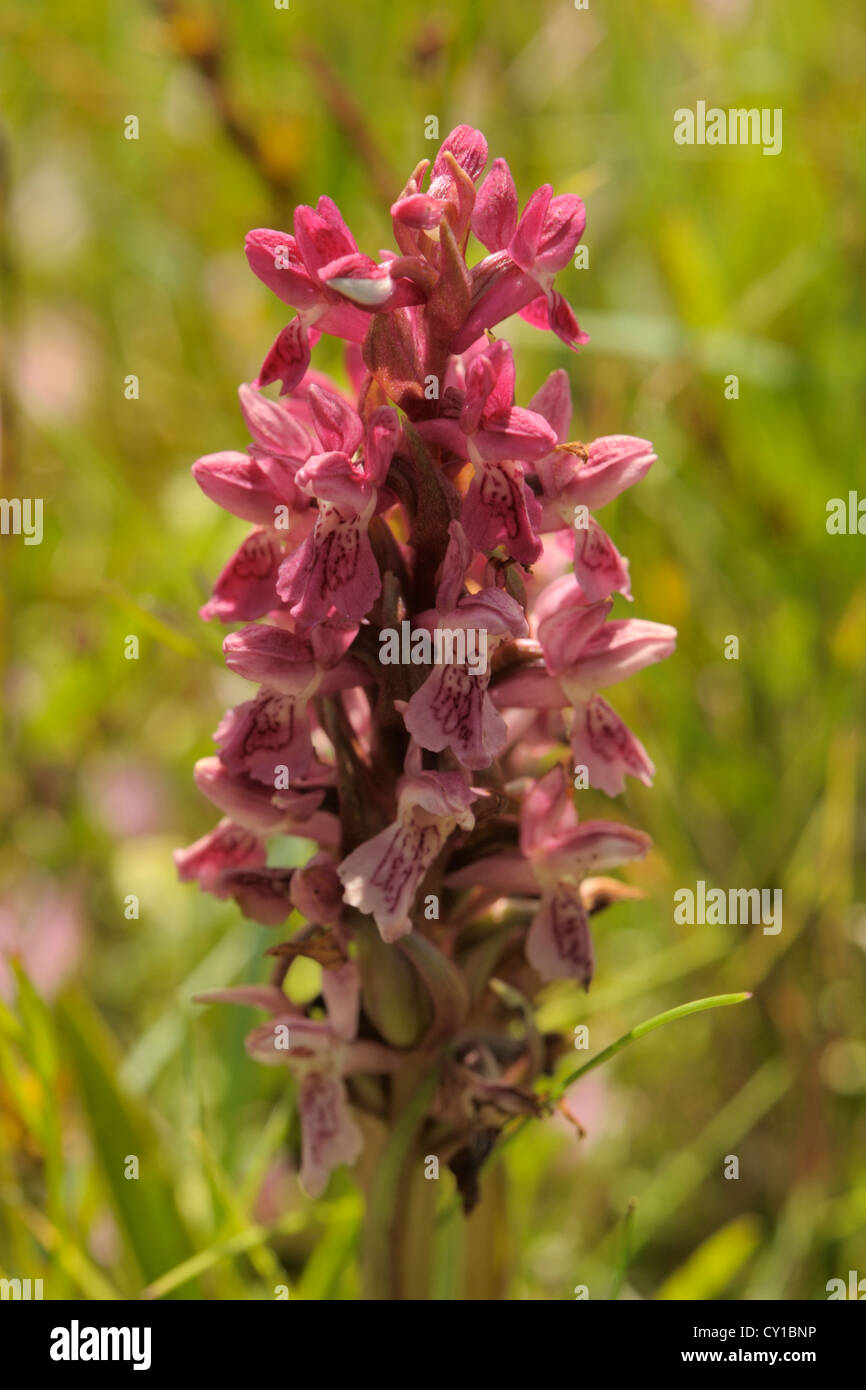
pixel 125 257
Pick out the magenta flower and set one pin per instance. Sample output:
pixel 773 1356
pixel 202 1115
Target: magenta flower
pixel 425 608
pixel 450 197
pixel 500 507
pixel 334 572
pixel 229 846
pixel 526 254
pixel 251 488
pixel 247 587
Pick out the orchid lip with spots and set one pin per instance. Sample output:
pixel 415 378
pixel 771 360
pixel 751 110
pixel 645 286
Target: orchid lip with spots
pixel 385 510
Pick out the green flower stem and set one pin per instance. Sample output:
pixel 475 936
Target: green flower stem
pixel 385 1238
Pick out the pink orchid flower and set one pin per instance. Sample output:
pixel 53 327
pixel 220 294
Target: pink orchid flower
pixel 584 652
pixel 499 438
pixel 272 731
pixel 260 487
pixel 227 846
pixel 319 1054
pixel 321 273
pixel 451 195
pixel 334 570
pixel 453 709
pixel 382 875
pixel 265 812
pixel 556 854
pixel 526 254
pixel 418 500
pixel 247 587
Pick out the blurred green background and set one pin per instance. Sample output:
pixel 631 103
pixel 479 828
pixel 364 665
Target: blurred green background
pixel 125 257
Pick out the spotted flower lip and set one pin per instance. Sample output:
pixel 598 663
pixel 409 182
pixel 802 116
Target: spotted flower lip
pixel 383 874
pixel 559 943
pixel 418 497
pixel 246 588
pixel 321 1054
pixel 452 709
pixel 500 509
pixel 607 748
pixel 499 438
pixel 334 572
pixel 263 735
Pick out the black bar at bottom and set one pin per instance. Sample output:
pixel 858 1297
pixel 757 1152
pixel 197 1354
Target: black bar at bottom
pixel 63 1339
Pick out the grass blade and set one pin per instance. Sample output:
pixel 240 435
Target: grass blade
pixel 696 1006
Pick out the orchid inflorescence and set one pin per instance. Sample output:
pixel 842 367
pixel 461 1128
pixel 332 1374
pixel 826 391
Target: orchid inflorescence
pixel 448 884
